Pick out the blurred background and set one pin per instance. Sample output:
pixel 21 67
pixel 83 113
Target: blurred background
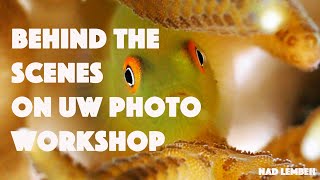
pixel 264 95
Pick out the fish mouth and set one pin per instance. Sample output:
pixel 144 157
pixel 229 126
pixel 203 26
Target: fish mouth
pixel 180 94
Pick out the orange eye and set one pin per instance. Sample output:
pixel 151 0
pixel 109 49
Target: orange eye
pixel 197 55
pixel 132 73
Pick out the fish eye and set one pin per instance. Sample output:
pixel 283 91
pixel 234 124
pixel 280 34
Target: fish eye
pixel 197 55
pixel 129 76
pixel 132 73
pixel 200 57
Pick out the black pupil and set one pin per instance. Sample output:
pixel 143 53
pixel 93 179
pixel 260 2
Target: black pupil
pixel 200 57
pixel 128 75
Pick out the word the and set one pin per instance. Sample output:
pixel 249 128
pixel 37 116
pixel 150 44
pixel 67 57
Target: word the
pixel 36 38
pixel 24 140
pixel 57 72
pixel 132 105
pixel 140 38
